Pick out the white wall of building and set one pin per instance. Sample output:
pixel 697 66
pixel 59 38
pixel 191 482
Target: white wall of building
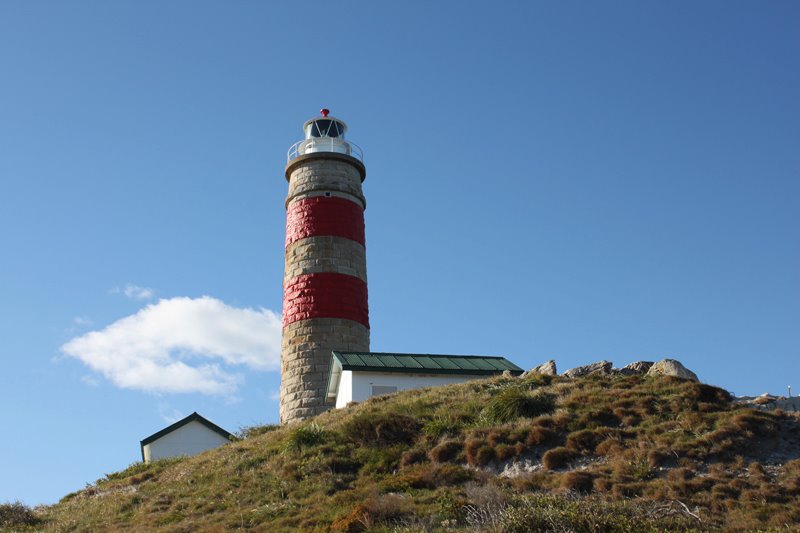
pixel 357 386
pixel 190 439
pixel 345 394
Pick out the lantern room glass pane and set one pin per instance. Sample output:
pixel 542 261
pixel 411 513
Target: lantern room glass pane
pixel 325 127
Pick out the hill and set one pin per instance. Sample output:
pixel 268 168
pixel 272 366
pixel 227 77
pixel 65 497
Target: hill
pixel 599 453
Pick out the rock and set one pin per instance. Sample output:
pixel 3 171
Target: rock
pixel 788 404
pixel 765 399
pixel 635 369
pixel 601 367
pixel 671 367
pixel 547 369
pixel 769 402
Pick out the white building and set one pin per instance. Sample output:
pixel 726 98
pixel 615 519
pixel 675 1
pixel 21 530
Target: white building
pixel 357 376
pixel 190 436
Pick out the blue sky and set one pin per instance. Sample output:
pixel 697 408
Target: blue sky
pixel 577 181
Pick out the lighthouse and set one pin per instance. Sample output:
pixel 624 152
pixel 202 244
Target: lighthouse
pixel 325 277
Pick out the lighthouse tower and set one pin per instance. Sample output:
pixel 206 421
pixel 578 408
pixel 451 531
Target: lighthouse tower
pixel 325 277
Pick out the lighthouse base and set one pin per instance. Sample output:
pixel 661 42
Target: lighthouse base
pixel 306 352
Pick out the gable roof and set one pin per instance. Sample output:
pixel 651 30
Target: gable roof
pixel 194 417
pixel 408 363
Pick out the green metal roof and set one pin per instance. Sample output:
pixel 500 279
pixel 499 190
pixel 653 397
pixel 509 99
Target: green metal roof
pixel 424 363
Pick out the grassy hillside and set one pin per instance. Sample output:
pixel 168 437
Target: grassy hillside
pixel 624 453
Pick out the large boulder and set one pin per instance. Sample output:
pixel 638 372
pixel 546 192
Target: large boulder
pixel 547 369
pixel 635 369
pixel 601 367
pixel 671 367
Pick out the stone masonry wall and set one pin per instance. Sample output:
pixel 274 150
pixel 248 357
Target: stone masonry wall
pixel 325 254
pixel 320 175
pixel 305 361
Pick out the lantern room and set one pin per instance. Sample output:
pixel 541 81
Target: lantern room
pixel 325 134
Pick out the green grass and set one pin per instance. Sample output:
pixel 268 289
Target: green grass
pixel 596 454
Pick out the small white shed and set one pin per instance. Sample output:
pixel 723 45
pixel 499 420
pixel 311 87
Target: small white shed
pixel 190 436
pixel 356 376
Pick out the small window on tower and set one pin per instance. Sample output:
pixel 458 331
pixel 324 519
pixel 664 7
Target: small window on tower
pixel 378 390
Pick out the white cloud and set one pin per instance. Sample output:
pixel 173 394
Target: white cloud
pixel 134 292
pixel 90 380
pixel 169 414
pixel 82 321
pixel 182 345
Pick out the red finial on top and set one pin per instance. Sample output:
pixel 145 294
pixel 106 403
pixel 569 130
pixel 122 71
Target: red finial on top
pixel 324 112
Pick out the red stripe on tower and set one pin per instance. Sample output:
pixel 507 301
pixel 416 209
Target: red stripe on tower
pixel 324 215
pixel 325 295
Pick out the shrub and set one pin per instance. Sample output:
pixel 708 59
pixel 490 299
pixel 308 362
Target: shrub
pixel 544 421
pixel 504 452
pixel 541 435
pixel 17 514
pixel 497 436
pixel 514 402
pixel 412 457
pixel 577 481
pixel 248 432
pixel 373 511
pixel 756 471
pixel 610 446
pixel 447 475
pixel 558 458
pixel 441 426
pixel 378 459
pixel 680 474
pixel 627 417
pixel 445 451
pixel 342 464
pixel 598 418
pixel 539 380
pixel 758 423
pixel 701 392
pixel 307 435
pixel 484 455
pixel 627 490
pixel 478 452
pixel 658 457
pixel 632 470
pixel 382 428
pixel 428 476
pixel 603 484
pixel 471 447
pixel 584 440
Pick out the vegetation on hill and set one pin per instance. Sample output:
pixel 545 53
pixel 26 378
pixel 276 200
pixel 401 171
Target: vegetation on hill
pixel 600 453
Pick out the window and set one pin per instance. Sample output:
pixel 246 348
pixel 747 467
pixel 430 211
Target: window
pixel 325 127
pixel 378 390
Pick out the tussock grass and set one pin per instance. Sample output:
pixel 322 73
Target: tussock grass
pixel 514 402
